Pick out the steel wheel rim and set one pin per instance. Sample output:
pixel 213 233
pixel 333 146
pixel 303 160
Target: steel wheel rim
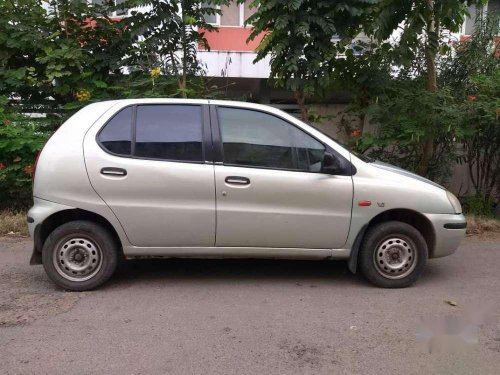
pixel 77 258
pixel 395 257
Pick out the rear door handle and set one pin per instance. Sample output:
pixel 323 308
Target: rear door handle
pixel 237 180
pixel 111 171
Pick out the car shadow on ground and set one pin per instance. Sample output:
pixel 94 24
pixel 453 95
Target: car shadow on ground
pixel 233 270
pixel 241 271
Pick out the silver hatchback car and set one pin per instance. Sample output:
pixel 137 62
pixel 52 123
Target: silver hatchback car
pixel 174 178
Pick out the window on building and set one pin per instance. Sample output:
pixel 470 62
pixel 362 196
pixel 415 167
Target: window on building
pixel 230 14
pixel 121 11
pixel 213 19
pixel 247 10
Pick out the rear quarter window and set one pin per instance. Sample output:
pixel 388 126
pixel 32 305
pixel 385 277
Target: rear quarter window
pixel 116 136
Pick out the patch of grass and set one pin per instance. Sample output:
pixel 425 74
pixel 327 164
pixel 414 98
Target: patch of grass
pixel 13 223
pixel 477 225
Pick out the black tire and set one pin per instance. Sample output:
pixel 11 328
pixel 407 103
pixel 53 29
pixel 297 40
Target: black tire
pixel 97 245
pixel 376 260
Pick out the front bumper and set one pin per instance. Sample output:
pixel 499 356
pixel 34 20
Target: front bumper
pixel 449 230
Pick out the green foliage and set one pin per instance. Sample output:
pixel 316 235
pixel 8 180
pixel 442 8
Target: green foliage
pixel 408 116
pixel 419 22
pixel 50 54
pixel 478 205
pixel 481 122
pixel 170 33
pixel 299 38
pixel 20 140
pixel 474 56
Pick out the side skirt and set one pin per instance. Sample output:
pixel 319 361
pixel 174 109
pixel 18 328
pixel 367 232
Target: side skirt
pixel 134 252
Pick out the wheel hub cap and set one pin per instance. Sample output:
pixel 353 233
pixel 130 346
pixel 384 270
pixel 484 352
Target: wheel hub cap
pixel 395 258
pixel 77 259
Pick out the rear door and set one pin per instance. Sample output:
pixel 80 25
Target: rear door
pixel 149 164
pixel 269 185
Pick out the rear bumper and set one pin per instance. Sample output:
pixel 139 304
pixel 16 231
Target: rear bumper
pixel 449 230
pixel 41 210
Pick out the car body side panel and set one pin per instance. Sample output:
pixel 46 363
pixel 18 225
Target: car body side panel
pixel 282 208
pixel 159 203
pixel 61 175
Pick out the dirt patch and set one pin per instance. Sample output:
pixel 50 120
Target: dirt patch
pixel 13 223
pixel 305 355
pixel 24 307
pixel 26 294
pixel 482 226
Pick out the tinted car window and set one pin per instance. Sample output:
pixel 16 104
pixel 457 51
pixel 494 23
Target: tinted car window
pixel 310 152
pixel 117 134
pixel 171 132
pixel 258 139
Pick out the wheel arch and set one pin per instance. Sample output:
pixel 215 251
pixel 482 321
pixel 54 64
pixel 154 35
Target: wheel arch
pixel 43 230
pixel 411 217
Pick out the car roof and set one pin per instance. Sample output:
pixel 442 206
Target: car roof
pixel 229 103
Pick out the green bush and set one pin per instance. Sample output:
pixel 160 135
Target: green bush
pixel 478 205
pixel 410 119
pixel 481 140
pixel 21 138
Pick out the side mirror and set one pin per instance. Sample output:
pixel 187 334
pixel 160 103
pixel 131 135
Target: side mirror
pixel 331 164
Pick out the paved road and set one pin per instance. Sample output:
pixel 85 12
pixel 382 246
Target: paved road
pixel 252 317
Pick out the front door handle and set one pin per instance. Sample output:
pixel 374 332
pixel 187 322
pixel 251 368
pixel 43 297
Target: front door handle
pixel 112 171
pixel 237 180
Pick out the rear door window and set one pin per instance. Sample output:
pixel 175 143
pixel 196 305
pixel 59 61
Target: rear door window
pixel 170 132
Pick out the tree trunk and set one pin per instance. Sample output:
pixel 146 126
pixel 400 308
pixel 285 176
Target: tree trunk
pixel 182 85
pixel 430 61
pixel 299 97
pixel 183 78
pixel 362 122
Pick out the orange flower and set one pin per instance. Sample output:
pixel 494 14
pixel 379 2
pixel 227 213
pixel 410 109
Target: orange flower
pixel 28 169
pixel 356 133
pixel 471 98
pixel 7 122
pixel 497 111
pixel 2 166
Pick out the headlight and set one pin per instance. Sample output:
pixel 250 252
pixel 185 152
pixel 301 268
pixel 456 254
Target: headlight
pixel 455 203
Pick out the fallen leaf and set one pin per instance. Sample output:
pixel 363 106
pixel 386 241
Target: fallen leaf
pixel 451 303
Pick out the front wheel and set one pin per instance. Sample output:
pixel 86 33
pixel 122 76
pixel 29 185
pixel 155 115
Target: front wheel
pixel 393 255
pixel 79 255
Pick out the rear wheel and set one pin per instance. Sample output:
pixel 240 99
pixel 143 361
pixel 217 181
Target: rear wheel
pixel 80 255
pixel 393 255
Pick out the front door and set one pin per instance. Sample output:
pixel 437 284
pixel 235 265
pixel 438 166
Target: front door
pixel 150 170
pixel 270 189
